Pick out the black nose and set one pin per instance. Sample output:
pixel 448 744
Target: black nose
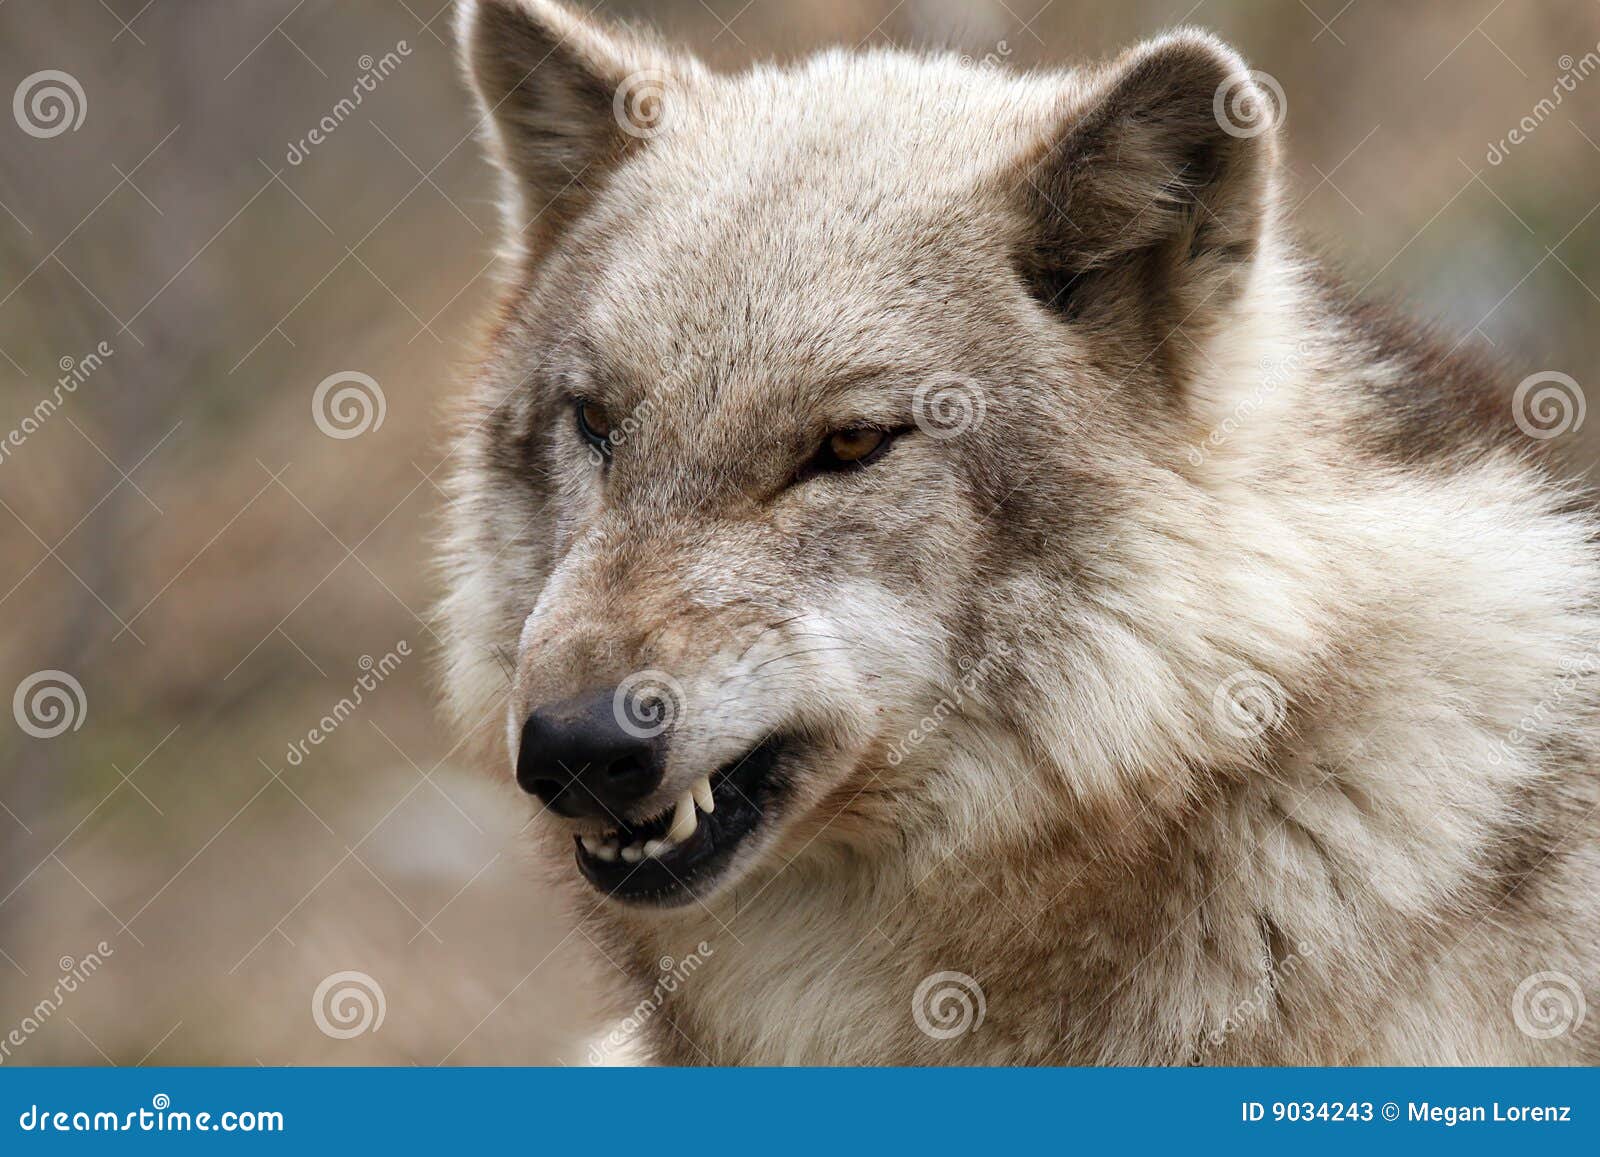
pixel 578 758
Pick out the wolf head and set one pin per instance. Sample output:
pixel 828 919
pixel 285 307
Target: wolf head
pixel 829 483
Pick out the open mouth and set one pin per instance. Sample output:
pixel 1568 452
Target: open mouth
pixel 667 858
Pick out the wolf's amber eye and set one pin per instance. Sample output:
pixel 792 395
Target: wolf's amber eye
pixel 594 425
pixel 855 445
pixel 850 448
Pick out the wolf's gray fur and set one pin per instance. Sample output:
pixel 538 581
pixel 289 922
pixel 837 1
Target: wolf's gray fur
pixel 1205 674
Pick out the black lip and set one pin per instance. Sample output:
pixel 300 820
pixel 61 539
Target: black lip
pixel 745 792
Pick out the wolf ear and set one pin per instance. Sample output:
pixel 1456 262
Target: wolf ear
pixel 564 99
pixel 1145 209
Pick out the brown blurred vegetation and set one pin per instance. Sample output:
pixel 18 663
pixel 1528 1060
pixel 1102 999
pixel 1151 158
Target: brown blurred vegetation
pixel 212 568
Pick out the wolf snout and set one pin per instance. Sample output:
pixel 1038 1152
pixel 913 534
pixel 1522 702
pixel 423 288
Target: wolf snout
pixel 582 761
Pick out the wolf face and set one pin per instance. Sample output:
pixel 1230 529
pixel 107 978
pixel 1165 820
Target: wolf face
pixel 923 519
pixel 814 415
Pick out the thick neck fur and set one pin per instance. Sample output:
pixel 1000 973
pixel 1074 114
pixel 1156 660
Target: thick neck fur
pixel 1321 894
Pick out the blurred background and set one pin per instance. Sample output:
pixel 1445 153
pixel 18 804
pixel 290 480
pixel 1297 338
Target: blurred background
pixel 195 571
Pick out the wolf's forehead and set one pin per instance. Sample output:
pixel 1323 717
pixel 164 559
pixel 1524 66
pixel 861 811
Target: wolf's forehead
pixel 791 227
pixel 801 248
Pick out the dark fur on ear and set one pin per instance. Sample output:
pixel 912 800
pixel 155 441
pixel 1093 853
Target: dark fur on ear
pixel 1144 213
pixel 565 98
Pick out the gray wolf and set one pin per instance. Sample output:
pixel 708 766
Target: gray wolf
pixel 933 537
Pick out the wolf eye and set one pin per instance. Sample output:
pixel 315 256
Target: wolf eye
pixel 594 425
pixel 850 448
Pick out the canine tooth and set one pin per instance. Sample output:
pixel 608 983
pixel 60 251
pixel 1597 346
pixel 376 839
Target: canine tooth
pixel 632 854
pixel 702 794
pixel 653 848
pixel 591 845
pixel 683 822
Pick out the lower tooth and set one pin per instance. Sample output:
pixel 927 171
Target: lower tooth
pixel 607 852
pixel 591 845
pixel 632 854
pixel 653 848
